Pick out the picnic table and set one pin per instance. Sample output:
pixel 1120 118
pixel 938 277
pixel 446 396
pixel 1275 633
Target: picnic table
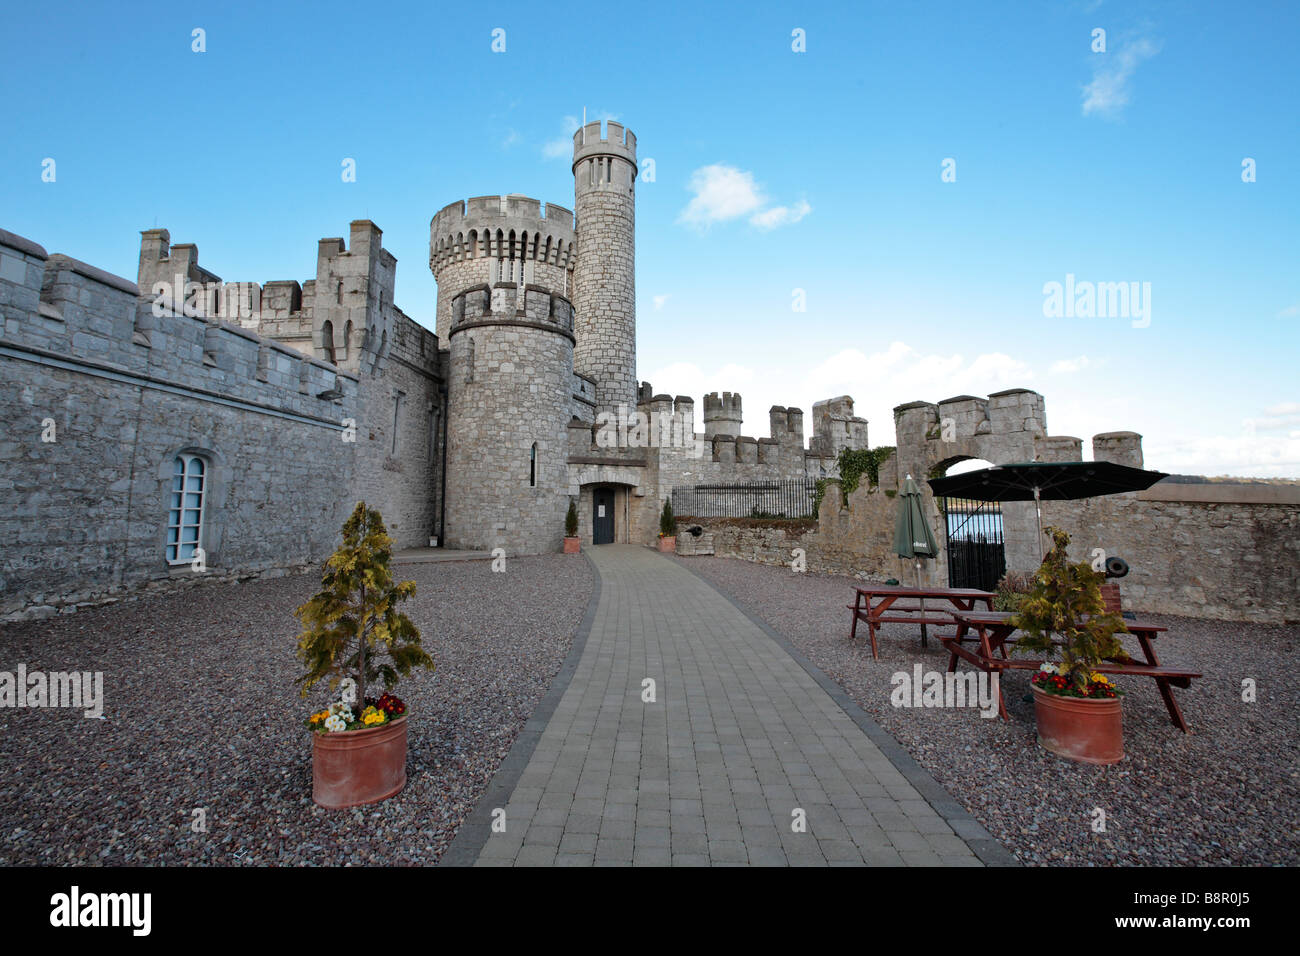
pixel 877 604
pixel 993 630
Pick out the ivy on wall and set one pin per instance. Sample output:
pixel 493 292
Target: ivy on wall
pixel 854 465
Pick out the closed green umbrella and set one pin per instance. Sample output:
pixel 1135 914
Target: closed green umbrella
pixel 913 537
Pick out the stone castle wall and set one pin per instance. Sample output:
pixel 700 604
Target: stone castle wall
pixel 84 516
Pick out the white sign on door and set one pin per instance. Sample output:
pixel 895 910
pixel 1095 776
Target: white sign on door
pixel 600 511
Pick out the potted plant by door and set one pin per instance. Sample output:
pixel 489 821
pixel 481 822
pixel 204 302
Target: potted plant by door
pixel 353 635
pixel 572 543
pixel 667 529
pixel 1077 708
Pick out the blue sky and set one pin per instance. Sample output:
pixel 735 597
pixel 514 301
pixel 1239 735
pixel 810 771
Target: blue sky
pixel 774 171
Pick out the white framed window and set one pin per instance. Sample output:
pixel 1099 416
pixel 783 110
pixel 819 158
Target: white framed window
pixel 185 516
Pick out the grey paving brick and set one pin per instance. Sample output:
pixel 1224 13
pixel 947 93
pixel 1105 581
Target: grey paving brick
pixel 739 736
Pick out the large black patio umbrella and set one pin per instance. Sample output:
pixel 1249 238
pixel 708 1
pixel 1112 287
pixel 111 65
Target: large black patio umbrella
pixel 1039 481
pixel 912 535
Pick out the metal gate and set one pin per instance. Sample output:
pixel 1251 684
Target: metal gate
pixel 976 553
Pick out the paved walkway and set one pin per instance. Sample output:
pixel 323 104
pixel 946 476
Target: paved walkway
pixel 739 742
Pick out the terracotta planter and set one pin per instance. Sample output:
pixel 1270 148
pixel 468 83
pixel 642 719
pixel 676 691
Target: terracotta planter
pixel 1080 728
pixel 572 545
pixel 668 543
pixel 354 767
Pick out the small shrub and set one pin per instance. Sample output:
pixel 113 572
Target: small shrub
pixel 667 523
pixel 1011 590
pixel 571 521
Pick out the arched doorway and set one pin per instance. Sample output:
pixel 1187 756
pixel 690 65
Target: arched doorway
pixel 974 546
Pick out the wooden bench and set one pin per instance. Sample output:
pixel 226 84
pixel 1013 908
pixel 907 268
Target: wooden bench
pixel 877 604
pixel 994 637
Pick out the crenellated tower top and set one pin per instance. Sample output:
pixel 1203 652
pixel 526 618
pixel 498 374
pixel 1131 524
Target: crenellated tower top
pixel 588 143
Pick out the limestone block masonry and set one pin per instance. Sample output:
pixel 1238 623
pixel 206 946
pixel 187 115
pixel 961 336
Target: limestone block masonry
pixel 510 383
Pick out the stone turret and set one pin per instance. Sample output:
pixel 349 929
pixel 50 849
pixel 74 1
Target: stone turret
pixel 604 281
pixel 352 299
pixel 722 414
pixel 510 378
pixel 491 239
pixel 1123 448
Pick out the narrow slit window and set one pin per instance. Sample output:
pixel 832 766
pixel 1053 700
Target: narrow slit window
pixel 397 417
pixel 532 466
pixel 185 516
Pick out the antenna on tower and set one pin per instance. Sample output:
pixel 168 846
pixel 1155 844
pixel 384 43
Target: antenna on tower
pixel 584 126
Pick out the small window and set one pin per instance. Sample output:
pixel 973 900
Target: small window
pixel 185 517
pixel 532 466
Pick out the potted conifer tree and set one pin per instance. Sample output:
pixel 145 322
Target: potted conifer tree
pixel 667 528
pixel 1077 708
pixel 353 635
pixel 572 543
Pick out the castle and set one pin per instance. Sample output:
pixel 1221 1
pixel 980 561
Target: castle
pixel 183 423
pixel 181 428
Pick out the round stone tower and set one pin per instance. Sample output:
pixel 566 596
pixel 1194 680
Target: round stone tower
pixel 604 284
pixel 490 239
pixel 510 381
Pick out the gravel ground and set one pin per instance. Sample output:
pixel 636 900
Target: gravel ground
pixel 202 712
pixel 1229 793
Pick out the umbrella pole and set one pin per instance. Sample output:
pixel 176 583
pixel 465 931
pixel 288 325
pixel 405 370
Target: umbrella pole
pixel 924 635
pixel 1038 515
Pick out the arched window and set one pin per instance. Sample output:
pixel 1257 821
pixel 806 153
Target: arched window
pixel 532 466
pixel 185 516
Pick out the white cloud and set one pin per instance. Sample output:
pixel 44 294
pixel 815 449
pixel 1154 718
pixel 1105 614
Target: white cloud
pixel 562 145
pixel 1247 456
pixel 721 193
pixel 1110 89
pixel 1066 366
pixel 1289 312
pixel 780 215
pixel 1285 415
pixel 659 301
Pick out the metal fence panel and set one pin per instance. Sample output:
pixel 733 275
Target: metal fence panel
pixel 763 499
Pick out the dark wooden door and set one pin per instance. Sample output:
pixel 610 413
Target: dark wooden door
pixel 602 516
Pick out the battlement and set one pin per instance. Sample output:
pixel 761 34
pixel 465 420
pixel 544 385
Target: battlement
pixel 835 427
pixel 615 139
pixel 722 414
pixel 501 227
pixel 506 303
pixel 59 310
pixel 344 316
pixel 726 404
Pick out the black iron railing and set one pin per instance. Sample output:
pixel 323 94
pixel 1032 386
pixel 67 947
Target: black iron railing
pixel 763 499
